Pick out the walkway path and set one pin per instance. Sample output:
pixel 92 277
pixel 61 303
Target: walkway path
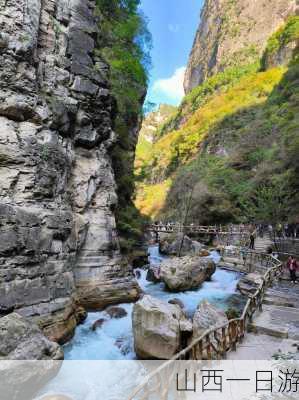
pixel 262 244
pixel 276 328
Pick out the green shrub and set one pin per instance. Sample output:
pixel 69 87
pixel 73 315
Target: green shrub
pixel 124 42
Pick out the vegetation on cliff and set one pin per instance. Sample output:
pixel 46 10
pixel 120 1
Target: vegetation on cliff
pixel 234 140
pixel 124 42
pixel 288 33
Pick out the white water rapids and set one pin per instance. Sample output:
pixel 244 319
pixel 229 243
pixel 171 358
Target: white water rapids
pixel 114 340
pixel 117 372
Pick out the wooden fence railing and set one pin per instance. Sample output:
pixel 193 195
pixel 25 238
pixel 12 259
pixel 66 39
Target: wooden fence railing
pixel 251 259
pixel 214 229
pixel 214 343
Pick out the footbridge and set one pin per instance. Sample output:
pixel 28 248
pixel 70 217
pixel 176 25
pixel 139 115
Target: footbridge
pixel 208 229
pixel 220 234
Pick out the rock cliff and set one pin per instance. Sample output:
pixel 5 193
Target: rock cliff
pixel 58 241
pixel 233 32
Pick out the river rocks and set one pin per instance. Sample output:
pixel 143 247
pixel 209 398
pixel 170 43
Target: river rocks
pixel 81 315
pixel 112 288
pixel 206 317
pixel 116 312
pixel 249 283
pixel 170 244
pixel 180 274
pixel 156 328
pixel 204 253
pixel 98 324
pixel 153 274
pixel 22 340
pixel 123 345
pixel 177 302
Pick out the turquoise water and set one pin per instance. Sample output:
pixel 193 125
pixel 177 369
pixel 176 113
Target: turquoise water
pixel 114 340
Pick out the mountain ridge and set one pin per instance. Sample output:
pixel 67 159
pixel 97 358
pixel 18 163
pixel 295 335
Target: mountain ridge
pixel 231 33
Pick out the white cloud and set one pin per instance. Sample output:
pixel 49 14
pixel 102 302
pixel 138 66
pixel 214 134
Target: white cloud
pixel 171 87
pixel 174 28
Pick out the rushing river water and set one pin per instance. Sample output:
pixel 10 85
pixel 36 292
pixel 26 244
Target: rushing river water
pixel 114 340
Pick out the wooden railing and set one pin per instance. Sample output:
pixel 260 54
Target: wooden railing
pixel 214 343
pixel 211 229
pixel 250 259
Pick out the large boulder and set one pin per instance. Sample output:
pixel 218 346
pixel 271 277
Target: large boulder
pixel 249 283
pixel 186 273
pixel 170 244
pixel 157 328
pixel 22 340
pixel 206 317
pixel 21 343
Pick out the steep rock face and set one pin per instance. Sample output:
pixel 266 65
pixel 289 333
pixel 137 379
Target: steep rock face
pixel 233 32
pixel 57 183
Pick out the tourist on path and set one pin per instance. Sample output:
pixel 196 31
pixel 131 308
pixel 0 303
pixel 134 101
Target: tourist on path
pixel 252 240
pixel 292 266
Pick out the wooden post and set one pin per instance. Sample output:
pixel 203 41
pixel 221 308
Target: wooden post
pixel 209 352
pixel 200 351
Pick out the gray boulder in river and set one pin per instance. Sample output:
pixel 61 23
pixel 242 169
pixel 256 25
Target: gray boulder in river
pixel 158 328
pixel 170 245
pixel 206 317
pixel 184 273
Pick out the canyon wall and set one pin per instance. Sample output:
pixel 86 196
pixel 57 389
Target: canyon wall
pixel 59 247
pixel 231 33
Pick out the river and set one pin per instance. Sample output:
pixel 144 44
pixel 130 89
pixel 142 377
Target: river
pixel 114 340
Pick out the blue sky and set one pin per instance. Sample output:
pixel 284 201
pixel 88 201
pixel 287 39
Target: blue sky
pixel 173 25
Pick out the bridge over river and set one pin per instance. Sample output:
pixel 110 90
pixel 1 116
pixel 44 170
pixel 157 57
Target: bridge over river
pixel 192 228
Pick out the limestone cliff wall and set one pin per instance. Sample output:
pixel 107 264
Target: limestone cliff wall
pixel 233 32
pixel 58 241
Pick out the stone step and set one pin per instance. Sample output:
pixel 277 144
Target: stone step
pixel 272 292
pixel 278 301
pixel 268 329
pixel 278 321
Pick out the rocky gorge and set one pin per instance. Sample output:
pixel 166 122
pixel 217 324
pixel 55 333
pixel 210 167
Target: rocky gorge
pixel 59 247
pixel 67 145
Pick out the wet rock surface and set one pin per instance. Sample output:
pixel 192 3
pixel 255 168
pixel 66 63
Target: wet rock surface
pixel 98 324
pixel 116 312
pixel 180 274
pixel 153 274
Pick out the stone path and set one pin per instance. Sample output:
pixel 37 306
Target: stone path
pixel 262 244
pixel 276 328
